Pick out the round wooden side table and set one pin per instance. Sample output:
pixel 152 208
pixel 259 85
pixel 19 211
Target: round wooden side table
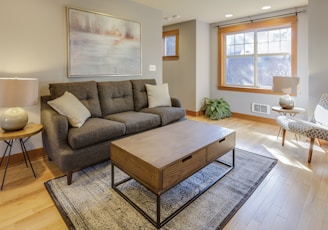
pixel 292 112
pixel 23 136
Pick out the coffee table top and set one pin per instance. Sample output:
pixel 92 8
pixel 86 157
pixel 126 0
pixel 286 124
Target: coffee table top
pixel 172 142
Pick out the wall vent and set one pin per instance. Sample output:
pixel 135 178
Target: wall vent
pixel 260 108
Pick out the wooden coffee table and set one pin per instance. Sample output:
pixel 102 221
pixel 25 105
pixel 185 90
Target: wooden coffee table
pixel 161 158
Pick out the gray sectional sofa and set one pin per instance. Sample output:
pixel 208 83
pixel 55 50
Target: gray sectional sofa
pixel 117 108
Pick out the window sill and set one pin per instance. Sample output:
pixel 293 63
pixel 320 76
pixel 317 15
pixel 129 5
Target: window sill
pixel 246 90
pixel 167 58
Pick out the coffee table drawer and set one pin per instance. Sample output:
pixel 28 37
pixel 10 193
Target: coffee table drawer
pixel 220 147
pixel 183 168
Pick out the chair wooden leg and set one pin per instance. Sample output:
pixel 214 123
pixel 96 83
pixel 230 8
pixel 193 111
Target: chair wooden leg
pixel 283 137
pixel 319 143
pixel 311 150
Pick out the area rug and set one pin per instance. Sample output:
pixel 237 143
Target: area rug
pixel 90 202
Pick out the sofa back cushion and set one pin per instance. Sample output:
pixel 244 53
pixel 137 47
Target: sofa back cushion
pixel 115 97
pixel 140 92
pixel 86 92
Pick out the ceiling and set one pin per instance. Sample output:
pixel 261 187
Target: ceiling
pixel 211 11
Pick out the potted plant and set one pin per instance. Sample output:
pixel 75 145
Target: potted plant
pixel 216 109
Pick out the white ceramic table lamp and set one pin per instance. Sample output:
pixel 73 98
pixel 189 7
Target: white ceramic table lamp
pixel 287 86
pixel 15 92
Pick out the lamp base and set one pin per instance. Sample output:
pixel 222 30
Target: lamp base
pixel 286 102
pixel 13 119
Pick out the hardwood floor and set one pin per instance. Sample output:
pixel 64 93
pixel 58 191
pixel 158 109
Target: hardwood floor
pixel 293 196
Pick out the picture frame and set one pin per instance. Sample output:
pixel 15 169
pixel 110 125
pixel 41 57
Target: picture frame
pixel 102 45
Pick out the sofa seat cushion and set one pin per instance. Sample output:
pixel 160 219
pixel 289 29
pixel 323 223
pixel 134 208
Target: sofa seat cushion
pixel 167 114
pixel 94 130
pixel 136 121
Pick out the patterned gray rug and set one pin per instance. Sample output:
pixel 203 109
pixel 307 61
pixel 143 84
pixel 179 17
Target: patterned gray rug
pixel 90 202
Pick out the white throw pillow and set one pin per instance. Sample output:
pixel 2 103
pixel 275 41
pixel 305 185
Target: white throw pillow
pixel 69 106
pixel 158 95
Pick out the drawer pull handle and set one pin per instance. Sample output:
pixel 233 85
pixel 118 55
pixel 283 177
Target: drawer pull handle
pixel 187 158
pixel 221 140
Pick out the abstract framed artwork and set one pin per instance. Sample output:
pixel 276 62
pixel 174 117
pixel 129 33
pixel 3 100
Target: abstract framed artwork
pixel 102 45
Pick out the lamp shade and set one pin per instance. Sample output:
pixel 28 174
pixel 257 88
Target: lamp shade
pixel 15 92
pixel 18 92
pixel 286 85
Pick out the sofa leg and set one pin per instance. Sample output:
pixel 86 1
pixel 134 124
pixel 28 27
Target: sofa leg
pixel 283 137
pixel 69 176
pixel 311 150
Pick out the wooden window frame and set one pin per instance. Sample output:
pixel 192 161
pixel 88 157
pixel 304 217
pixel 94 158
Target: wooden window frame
pixel 275 22
pixel 169 34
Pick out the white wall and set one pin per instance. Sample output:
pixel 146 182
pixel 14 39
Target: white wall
pixel 318 50
pixel 188 77
pixel 202 63
pixel 240 102
pixel 33 42
pixel 181 74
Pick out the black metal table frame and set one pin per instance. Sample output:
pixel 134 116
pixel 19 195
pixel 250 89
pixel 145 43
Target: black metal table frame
pixel 158 224
pixel 8 150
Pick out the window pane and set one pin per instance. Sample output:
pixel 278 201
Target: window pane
pixel 239 49
pixel 268 66
pixel 263 47
pixel 274 35
pixel 240 44
pixel 249 43
pixel 274 41
pixel 262 37
pixel 239 38
pixel 274 47
pixel 286 46
pixel 240 71
pixel 230 50
pixel 249 37
pixel 169 46
pixel 249 48
pixel 230 39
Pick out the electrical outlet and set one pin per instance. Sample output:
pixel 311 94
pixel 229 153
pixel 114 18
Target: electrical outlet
pixel 152 68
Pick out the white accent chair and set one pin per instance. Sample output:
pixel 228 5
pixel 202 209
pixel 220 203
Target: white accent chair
pixel 316 128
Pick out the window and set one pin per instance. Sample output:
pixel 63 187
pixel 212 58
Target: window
pixel 171 45
pixel 251 54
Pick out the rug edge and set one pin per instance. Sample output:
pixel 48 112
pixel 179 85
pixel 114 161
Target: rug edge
pixel 249 193
pixel 62 212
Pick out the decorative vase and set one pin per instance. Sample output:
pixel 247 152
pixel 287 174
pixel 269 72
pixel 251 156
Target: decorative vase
pixel 286 102
pixel 13 119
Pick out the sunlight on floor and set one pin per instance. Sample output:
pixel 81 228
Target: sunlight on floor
pixel 281 156
pixel 285 160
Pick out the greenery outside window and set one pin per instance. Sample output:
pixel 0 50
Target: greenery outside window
pixel 251 54
pixel 171 45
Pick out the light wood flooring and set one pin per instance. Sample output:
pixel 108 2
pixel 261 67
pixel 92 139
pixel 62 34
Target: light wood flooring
pixel 293 196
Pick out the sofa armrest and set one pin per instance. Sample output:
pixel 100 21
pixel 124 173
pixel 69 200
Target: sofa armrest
pixel 55 129
pixel 175 102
